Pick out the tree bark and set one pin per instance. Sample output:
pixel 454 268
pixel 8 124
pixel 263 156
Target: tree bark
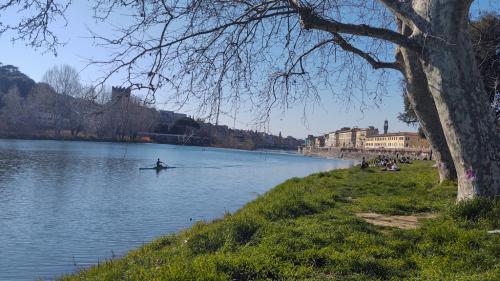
pixel 423 104
pixel 455 83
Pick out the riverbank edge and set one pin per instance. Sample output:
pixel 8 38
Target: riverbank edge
pixel 307 228
pixel 358 154
pixel 83 139
pixel 338 155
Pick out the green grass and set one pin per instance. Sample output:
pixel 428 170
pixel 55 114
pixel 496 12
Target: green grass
pixel 305 229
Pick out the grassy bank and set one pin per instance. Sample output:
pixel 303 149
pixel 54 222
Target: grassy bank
pixel 306 229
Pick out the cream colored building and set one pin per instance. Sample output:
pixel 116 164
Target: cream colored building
pixel 401 140
pixel 347 138
pixel 362 134
pixel 331 139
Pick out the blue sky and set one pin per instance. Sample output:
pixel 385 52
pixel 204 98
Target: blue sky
pixel 327 116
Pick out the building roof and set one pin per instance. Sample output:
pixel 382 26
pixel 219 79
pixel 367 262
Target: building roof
pixel 394 134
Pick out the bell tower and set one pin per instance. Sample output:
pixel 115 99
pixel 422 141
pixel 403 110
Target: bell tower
pixel 386 126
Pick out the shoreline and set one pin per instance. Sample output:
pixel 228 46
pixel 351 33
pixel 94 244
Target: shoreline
pixel 136 205
pixel 141 142
pixel 358 154
pixel 314 228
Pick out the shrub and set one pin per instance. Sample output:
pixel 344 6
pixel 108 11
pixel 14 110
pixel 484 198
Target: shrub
pixel 205 238
pixel 240 229
pixel 479 209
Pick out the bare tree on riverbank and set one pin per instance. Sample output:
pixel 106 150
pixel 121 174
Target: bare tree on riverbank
pixel 485 34
pixel 68 113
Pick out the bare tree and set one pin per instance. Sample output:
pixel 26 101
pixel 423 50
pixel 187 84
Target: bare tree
pixel 100 120
pixel 485 33
pixel 15 114
pixel 67 105
pixel 424 107
pixel 276 53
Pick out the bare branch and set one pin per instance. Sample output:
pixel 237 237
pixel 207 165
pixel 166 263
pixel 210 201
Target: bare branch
pixel 312 20
pixel 375 63
pixel 405 11
pixel 34 27
pixel 214 53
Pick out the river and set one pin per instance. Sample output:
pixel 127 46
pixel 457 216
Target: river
pixel 67 205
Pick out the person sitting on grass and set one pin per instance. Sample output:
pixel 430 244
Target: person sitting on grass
pixel 388 165
pixel 394 167
pixel 364 164
pixel 391 166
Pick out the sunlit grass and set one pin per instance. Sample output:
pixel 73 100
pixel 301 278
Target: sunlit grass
pixel 305 229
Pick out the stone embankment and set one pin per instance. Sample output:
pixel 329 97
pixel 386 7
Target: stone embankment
pixel 336 153
pixel 358 154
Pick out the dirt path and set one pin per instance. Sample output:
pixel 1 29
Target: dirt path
pixel 403 222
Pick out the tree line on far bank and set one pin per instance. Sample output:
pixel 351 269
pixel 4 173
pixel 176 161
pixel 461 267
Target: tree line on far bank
pixel 62 107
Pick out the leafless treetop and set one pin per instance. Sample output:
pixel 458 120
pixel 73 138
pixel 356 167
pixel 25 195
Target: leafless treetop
pixel 274 53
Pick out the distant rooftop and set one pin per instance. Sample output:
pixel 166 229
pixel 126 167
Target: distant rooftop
pixel 395 134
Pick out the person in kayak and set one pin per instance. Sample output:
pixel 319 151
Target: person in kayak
pixel 160 164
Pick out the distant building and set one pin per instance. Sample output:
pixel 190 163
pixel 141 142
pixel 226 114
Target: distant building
pixel 331 140
pixel 362 134
pixel 310 142
pixel 119 93
pixel 168 117
pixel 319 141
pixel 400 140
pixel 118 108
pixel 347 137
pixel 327 139
pixel 386 127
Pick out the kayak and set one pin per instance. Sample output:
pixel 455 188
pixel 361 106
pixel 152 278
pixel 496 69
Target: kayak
pixel 158 168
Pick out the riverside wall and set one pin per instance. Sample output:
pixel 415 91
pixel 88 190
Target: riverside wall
pixel 358 154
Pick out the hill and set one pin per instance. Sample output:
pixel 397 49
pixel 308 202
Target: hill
pixel 10 76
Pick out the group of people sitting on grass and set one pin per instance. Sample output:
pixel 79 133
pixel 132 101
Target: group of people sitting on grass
pixel 383 160
pixel 389 163
pixel 391 166
pixel 404 160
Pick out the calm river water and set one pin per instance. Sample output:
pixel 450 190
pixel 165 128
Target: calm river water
pixel 66 205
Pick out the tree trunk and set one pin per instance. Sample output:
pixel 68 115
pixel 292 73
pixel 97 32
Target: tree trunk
pixel 457 88
pixel 423 104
